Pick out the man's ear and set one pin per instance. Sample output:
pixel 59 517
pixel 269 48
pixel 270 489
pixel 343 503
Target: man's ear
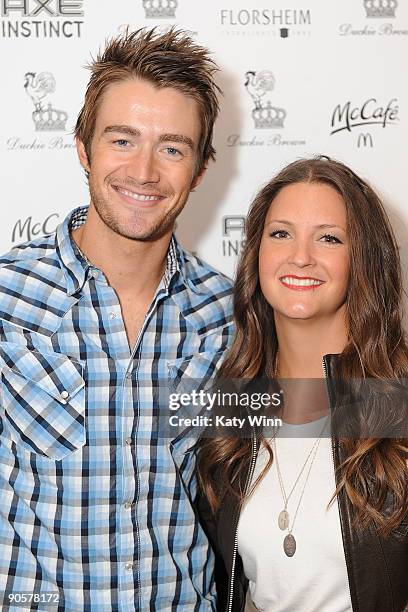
pixel 197 180
pixel 83 158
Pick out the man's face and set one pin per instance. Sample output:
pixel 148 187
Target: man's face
pixel 143 158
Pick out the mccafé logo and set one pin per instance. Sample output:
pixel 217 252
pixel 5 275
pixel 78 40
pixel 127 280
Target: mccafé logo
pixel 29 229
pixel 349 116
pixel 41 18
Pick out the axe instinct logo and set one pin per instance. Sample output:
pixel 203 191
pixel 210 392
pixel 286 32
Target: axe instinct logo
pixel 41 18
pixel 233 231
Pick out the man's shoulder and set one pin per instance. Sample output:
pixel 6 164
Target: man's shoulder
pixel 204 277
pixel 205 297
pixel 33 291
pixel 27 253
pixel 35 260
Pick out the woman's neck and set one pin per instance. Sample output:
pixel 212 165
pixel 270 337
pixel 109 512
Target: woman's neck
pixel 303 343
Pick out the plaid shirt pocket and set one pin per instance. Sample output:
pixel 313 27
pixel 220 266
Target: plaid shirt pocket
pixel 42 401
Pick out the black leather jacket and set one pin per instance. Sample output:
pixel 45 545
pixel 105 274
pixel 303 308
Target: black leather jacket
pixel 377 568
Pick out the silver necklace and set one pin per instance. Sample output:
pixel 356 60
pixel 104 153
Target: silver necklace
pixel 289 542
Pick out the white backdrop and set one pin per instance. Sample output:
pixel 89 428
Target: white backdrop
pixel 325 77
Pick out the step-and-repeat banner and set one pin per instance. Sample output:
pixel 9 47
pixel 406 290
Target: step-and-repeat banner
pixel 300 78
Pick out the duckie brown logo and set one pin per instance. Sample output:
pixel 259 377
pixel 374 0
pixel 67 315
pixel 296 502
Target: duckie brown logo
pixel 41 18
pixel 358 118
pixel 380 21
pixel 46 119
pixel 265 115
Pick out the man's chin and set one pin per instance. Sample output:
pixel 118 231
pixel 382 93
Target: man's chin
pixel 144 234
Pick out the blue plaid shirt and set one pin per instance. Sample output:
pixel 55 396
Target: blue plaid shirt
pixel 94 504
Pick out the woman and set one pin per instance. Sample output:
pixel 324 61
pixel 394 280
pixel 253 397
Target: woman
pixel 316 523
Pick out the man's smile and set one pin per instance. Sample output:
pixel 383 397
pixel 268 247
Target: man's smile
pixel 146 200
pixel 140 197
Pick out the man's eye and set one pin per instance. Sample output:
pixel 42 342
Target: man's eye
pixel 122 142
pixel 172 151
pixel 330 239
pixel 279 234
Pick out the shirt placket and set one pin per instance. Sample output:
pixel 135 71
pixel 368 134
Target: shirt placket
pixel 130 543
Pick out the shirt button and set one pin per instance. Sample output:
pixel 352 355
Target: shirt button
pixel 128 375
pixel 128 566
pixel 128 441
pixel 95 274
pixel 63 396
pixel 128 505
pixel 112 316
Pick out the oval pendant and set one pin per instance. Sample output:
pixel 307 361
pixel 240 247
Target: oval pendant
pixel 283 520
pixel 289 545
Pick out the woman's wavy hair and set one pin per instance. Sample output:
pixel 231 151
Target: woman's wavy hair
pixel 374 468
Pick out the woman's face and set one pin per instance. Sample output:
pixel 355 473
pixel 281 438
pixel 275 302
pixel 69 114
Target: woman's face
pixel 303 257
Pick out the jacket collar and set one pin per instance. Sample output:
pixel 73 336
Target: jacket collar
pixel 329 362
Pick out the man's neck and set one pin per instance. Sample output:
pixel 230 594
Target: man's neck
pixel 130 266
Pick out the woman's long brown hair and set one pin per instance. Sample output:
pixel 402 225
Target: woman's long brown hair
pixel 375 469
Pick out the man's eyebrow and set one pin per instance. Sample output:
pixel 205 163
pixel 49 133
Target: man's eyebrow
pixel 178 138
pixel 130 131
pixel 122 129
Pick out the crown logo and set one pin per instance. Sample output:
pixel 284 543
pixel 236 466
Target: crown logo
pixel 49 119
pixel 269 116
pixel 160 9
pixel 380 8
pixel 39 87
pixel 266 116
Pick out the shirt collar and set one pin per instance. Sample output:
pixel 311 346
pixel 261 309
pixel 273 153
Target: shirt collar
pixel 76 267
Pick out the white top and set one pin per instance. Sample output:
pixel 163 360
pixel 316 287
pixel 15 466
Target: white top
pixel 315 578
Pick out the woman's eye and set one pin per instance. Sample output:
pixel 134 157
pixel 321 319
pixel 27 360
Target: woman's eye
pixel 331 239
pixel 279 234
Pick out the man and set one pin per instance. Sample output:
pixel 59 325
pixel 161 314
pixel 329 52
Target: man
pixel 96 506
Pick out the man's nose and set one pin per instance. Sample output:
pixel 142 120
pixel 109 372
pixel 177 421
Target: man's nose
pixel 144 167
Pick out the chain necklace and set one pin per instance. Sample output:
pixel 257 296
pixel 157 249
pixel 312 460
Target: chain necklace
pixel 289 542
